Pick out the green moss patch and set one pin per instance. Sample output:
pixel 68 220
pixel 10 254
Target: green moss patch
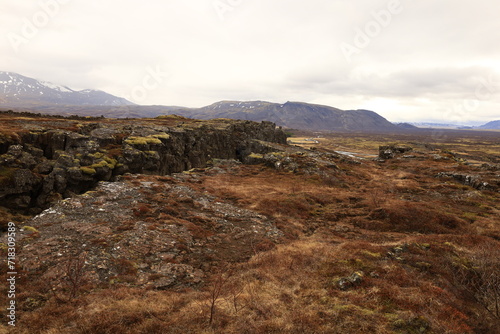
pixel 142 140
pixel 88 170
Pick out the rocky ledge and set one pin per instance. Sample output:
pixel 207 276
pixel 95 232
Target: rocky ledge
pixel 142 230
pixel 44 159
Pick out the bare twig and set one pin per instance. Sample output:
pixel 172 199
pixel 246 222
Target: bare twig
pixel 216 289
pixel 75 273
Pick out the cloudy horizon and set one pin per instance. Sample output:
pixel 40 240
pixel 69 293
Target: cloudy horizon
pixel 406 60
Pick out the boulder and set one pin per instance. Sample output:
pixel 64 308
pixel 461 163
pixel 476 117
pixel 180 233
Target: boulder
pixel 390 151
pixel 353 280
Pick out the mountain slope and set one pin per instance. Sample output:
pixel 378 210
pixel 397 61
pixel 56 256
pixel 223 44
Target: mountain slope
pixel 19 91
pixel 297 115
pixel 493 125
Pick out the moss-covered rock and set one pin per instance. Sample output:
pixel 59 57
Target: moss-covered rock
pixel 88 170
pixel 142 140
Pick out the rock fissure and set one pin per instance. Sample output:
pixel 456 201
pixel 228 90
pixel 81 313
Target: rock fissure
pixel 43 165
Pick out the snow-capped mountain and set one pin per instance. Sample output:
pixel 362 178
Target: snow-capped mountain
pixel 19 91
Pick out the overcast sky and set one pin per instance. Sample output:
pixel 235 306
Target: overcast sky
pixel 408 60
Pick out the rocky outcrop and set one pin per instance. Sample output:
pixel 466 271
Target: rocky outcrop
pixel 353 280
pixel 44 163
pixel 142 230
pixel 390 151
pixel 473 181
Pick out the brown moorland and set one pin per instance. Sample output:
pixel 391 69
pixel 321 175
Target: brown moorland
pixel 396 246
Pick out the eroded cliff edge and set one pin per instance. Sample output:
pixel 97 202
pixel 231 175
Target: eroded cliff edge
pixel 44 159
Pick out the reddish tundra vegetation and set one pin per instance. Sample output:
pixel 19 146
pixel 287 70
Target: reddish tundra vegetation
pixel 294 240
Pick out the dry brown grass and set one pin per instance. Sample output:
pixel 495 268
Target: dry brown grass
pixel 291 199
pixel 401 229
pixel 290 289
pixel 402 216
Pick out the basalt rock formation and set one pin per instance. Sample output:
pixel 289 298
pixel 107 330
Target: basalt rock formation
pixel 43 159
pixel 144 230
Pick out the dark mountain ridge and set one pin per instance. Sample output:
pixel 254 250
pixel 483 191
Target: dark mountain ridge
pixel 298 115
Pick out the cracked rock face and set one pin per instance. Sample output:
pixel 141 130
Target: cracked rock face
pixel 44 164
pixel 143 231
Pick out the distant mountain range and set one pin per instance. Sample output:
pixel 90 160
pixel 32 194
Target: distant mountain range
pixel 493 125
pixel 19 91
pixel 297 115
pixel 22 93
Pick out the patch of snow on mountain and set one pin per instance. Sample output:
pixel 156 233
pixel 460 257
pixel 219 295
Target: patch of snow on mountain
pixel 56 87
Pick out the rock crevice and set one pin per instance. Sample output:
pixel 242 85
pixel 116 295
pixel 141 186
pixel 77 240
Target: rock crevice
pixel 42 165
